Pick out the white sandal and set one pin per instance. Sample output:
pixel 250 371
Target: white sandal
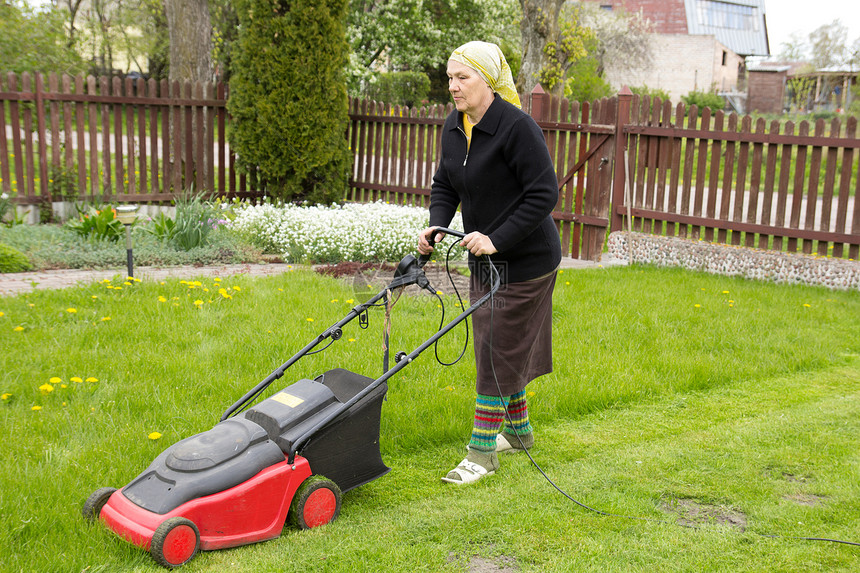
pixel 467 472
pixel 507 444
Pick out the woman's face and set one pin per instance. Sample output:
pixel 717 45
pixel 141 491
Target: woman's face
pixel 471 93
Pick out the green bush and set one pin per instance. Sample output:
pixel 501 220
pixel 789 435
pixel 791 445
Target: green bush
pixel 194 223
pixel 288 97
pixel 704 99
pixel 99 224
pixel 13 260
pixel 400 88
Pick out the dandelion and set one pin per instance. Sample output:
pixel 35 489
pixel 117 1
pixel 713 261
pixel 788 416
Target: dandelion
pixel 449 388
pixel 154 435
pixel 18 328
pixel 126 283
pixel 2 314
pixel 725 292
pixel 217 279
pixel 95 296
pixel 105 318
pixel 36 408
pixel 697 306
pixel 55 380
pixel 334 300
pixel 92 380
pixel 309 319
pixel 71 310
pixel 807 305
pixel 162 299
pixel 76 379
pixel 46 389
pixel 237 289
pixel 5 396
pixel 530 393
pixel 198 303
pixel 350 340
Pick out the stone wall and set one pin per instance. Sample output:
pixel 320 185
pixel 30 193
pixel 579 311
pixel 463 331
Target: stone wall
pixel 792 268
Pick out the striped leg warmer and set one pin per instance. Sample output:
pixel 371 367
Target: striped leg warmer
pixel 489 415
pixel 517 420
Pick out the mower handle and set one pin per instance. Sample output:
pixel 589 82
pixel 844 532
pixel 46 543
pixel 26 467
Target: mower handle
pixel 422 260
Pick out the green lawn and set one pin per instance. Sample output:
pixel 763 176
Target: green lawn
pixel 721 410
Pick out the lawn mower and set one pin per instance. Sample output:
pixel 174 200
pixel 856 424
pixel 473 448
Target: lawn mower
pixel 292 455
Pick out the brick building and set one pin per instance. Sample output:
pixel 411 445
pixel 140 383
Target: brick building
pixel 697 44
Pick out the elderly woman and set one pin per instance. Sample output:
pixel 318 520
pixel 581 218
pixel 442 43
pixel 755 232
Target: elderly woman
pixel 495 166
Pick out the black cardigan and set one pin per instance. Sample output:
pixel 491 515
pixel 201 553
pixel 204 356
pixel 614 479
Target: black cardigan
pixel 507 186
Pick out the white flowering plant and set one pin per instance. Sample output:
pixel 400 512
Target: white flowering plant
pixel 363 232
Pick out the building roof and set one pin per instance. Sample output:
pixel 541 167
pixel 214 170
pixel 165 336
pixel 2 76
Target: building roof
pixel 740 25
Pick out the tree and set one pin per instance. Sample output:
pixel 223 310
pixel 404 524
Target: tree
pixel 418 35
pixel 829 45
pixel 33 40
pixel 288 97
pixel 551 45
pixel 190 40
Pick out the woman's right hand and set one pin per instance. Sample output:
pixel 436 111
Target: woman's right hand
pixel 427 239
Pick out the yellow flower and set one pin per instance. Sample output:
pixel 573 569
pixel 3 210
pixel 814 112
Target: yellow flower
pixel 105 318
pixel 95 296
pixel 93 380
pixel 334 300
pixel 237 289
pixel 36 408
pixel 154 435
pixel 198 303
pixel 1 314
pixel 449 388
pixel 71 310
pixel 46 388
pixel 6 396
pixel 55 380
pixel 697 306
pixel 309 319
pixel 806 305
pixel 217 279
pixel 126 283
pixel 162 299
pixel 76 379
pixel 530 394
pixel 725 292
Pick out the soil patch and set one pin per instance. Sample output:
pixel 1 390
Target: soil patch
pixel 691 513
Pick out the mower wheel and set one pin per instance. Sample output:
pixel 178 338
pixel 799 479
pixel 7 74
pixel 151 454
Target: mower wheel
pixel 316 503
pixel 175 542
pixel 94 504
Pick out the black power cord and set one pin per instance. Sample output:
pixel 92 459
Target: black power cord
pixel 571 498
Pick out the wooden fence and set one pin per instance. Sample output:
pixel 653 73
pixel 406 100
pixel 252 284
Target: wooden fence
pixel 724 178
pixel 114 140
pixel 622 163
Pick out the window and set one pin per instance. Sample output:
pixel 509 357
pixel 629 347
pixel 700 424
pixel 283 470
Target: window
pixel 716 14
pixel 607 7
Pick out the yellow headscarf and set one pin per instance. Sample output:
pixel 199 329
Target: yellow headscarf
pixel 488 60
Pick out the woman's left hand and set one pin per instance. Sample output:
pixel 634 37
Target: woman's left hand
pixel 478 244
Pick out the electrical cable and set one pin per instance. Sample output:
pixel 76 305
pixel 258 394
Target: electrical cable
pixel 564 493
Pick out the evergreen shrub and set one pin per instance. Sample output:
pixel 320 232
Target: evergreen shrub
pixel 288 97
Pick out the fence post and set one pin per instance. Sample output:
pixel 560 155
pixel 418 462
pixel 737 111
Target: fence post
pixel 540 104
pixel 616 218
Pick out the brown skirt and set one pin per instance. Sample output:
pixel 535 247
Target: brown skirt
pixel 519 347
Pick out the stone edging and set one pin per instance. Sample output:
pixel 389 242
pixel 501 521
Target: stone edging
pixel 729 260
